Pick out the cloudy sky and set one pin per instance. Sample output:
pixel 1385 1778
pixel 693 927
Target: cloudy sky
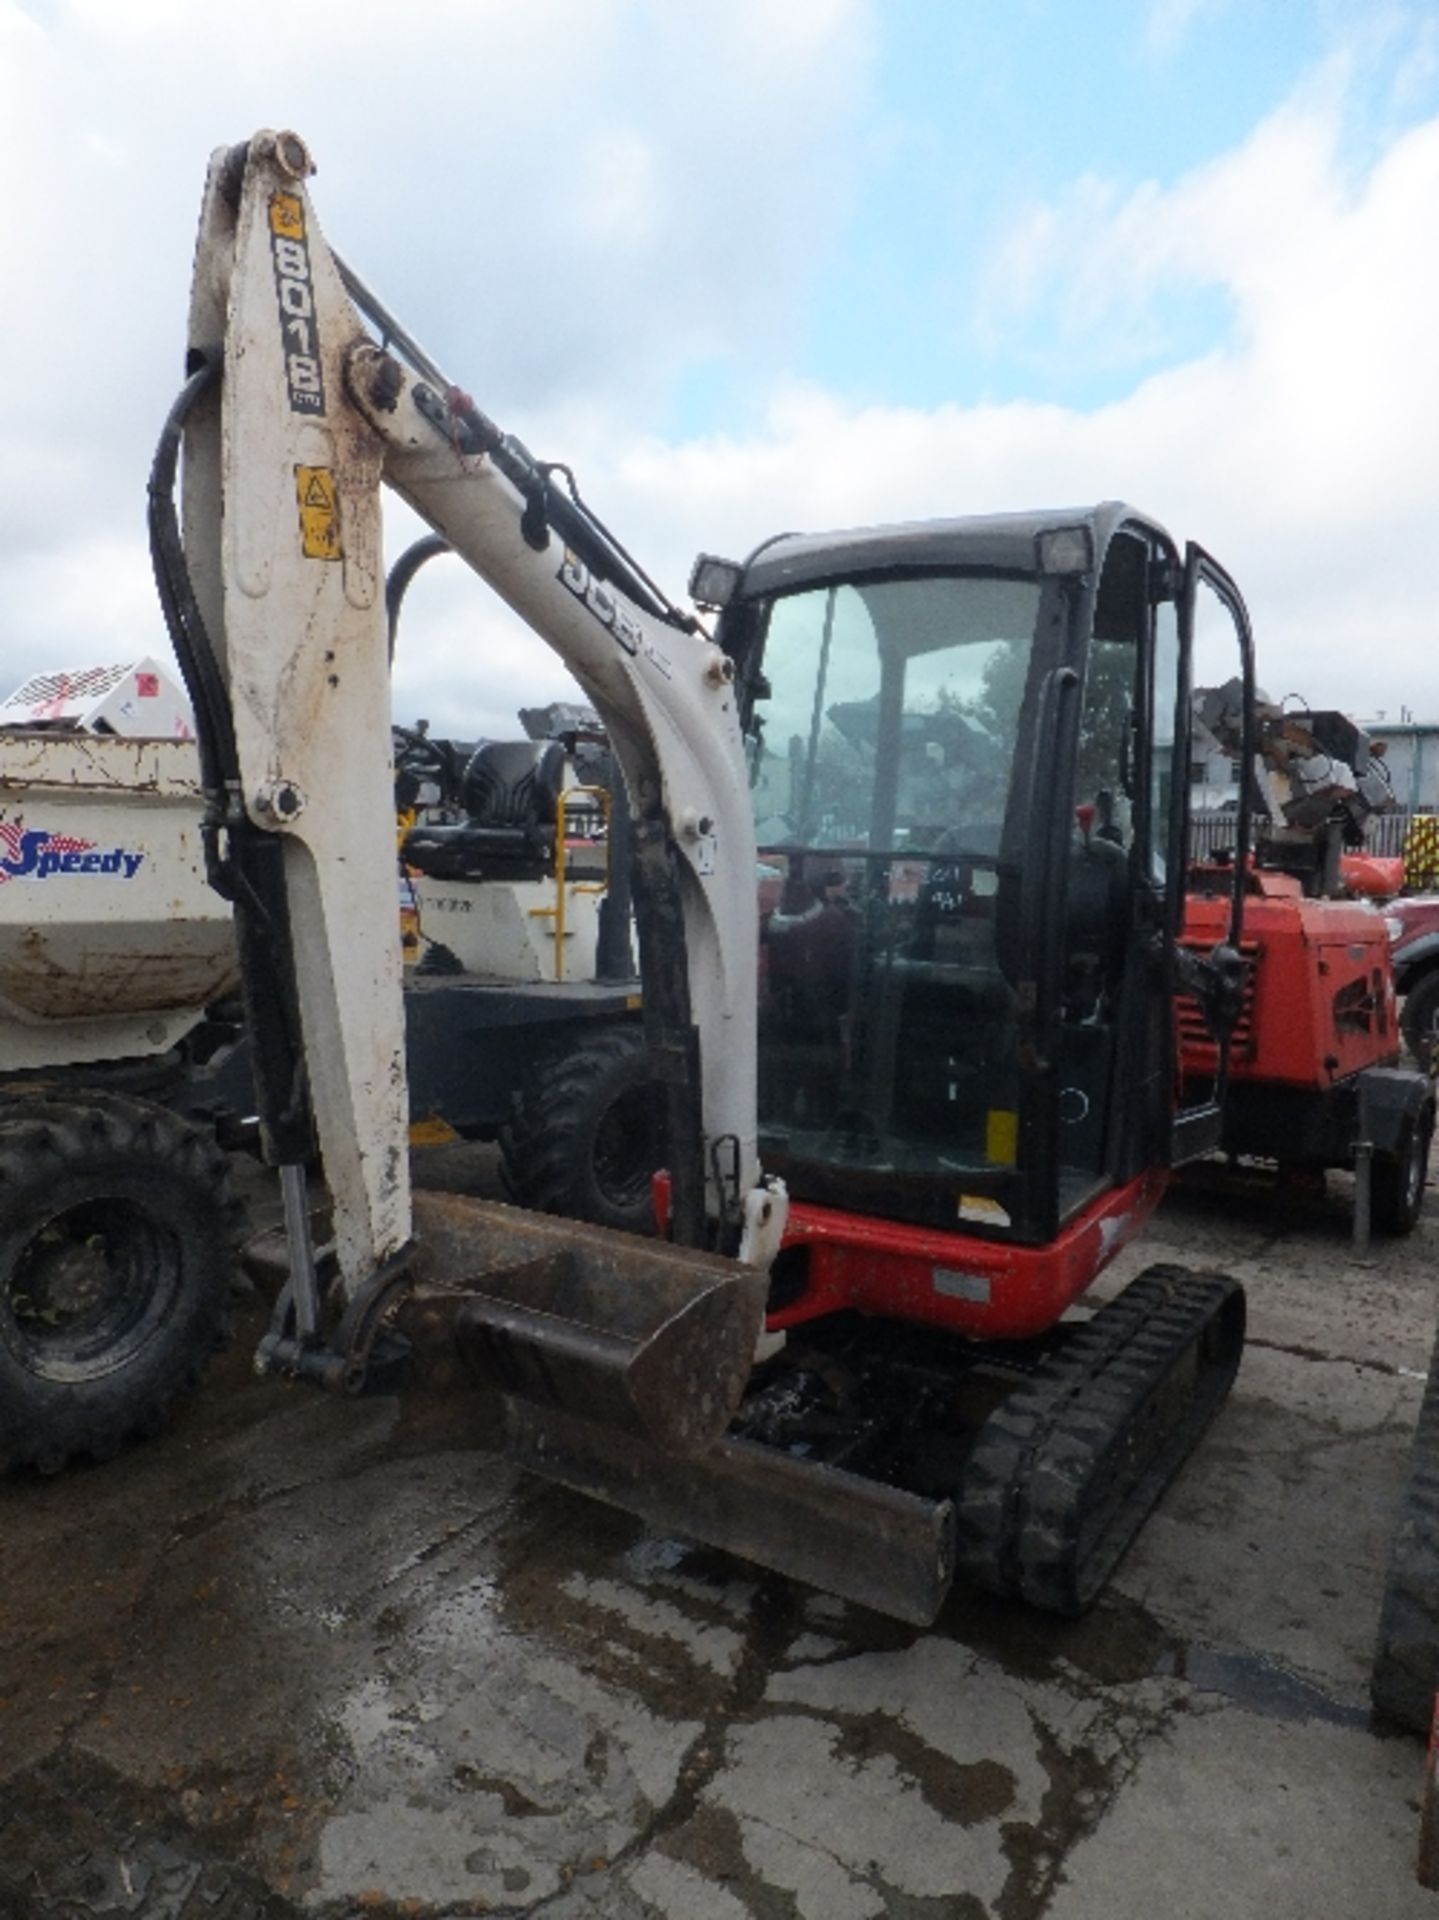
pixel 761 264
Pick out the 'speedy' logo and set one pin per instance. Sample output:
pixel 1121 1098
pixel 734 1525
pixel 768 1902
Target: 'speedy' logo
pixel 35 853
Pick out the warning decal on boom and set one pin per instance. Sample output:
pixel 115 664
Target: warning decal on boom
pixel 319 513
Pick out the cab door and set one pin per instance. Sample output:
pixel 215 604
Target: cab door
pixel 1212 773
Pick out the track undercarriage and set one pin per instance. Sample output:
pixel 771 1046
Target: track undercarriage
pixel 873 1459
pixel 877 1461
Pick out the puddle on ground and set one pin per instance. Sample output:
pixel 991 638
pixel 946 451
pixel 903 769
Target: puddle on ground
pixel 1117 1644
pixel 1264 1687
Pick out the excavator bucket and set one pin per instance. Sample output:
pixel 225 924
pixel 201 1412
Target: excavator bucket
pixel 633 1336
pixel 622 1362
pixel 638 1337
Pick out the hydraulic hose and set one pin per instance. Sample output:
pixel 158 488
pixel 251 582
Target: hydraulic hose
pixel 214 729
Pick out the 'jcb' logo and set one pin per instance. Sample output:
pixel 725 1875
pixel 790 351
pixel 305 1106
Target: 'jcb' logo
pixel 603 602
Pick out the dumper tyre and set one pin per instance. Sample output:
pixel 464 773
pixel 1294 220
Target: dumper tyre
pixel 587 1132
pixel 116 1234
pixel 1396 1191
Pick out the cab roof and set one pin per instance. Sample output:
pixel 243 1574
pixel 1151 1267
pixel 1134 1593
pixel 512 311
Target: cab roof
pixel 1007 542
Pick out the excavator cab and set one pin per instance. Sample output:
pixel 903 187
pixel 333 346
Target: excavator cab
pixel 964 739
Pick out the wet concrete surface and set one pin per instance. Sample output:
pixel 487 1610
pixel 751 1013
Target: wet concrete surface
pixel 309 1657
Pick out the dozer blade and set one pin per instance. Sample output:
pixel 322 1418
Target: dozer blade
pixel 858 1538
pixel 651 1340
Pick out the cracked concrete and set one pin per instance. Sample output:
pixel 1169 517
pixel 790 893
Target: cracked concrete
pixel 308 1660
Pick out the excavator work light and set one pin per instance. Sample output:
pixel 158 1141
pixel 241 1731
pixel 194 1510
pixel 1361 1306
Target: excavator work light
pixel 1065 550
pixel 714 582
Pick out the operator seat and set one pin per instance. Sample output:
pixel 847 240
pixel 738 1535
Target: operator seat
pixel 1097 923
pixel 422 761
pixel 510 791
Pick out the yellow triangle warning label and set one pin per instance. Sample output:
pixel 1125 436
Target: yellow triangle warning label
pixel 319 520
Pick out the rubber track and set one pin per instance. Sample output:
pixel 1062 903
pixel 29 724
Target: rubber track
pixel 1065 1471
pixel 1405 1674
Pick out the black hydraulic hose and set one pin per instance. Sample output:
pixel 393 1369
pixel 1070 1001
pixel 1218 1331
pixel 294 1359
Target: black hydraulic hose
pixel 581 527
pixel 251 875
pixel 214 727
pixel 576 524
pixel 397 581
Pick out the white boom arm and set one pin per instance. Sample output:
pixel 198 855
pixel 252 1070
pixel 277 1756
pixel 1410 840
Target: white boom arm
pixel 282 483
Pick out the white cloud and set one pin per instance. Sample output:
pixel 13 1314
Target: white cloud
pixel 621 190
pixel 1093 262
pixel 1302 453
pixel 1168 22
pixel 548 196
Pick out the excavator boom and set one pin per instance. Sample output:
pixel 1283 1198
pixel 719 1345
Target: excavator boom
pixel 293 419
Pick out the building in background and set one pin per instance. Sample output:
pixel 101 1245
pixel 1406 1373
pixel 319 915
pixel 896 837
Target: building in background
pixel 1412 756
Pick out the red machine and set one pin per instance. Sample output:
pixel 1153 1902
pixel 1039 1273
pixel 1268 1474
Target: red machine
pixel 1319 1001
pixel 1314 1074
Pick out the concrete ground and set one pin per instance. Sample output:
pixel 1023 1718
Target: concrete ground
pixel 303 1657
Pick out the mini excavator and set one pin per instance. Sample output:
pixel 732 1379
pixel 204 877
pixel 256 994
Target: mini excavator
pixel 901 1147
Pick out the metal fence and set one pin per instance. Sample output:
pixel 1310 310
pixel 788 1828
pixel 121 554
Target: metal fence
pixel 1384 833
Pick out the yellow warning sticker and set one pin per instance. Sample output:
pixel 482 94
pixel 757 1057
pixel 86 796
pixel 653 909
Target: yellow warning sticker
pixel 319 513
pixel 1001 1137
pixel 287 216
